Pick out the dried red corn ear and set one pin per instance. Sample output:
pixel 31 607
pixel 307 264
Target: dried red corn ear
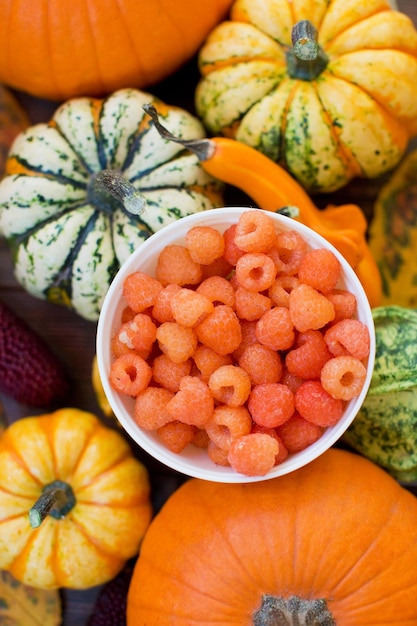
pixel 29 371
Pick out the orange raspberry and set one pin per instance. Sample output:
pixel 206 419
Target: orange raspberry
pixel 253 454
pixel 193 403
pixel 255 231
pixel 200 438
pixel 176 435
pixel 255 271
pixel 308 355
pixel 320 269
pixel 297 433
pixel 207 361
pixel 344 303
pixel 162 311
pixel 175 265
pixel 220 330
pixel 272 432
pixel 348 337
pixel 119 347
pixel 316 405
pixel 288 252
pixel 228 423
pixel 275 329
pixel 150 408
pixel 231 252
pixel 230 384
pixel 130 374
pixel 309 309
pixel 248 333
pixel 280 290
pixel 169 374
pixel 250 305
pixel 139 334
pixel 343 377
pixel 261 363
pixel 219 267
pixel 140 291
pixel 218 290
pixel 271 404
pixel 190 308
pixel 218 455
pixel 177 342
pixel 205 244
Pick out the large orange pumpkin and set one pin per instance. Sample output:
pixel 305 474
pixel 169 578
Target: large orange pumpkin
pixel 334 543
pixel 58 50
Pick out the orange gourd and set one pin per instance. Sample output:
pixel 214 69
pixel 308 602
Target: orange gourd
pixel 59 50
pixel 334 543
pixel 74 502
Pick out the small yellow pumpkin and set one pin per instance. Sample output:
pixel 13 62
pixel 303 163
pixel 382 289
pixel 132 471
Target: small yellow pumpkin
pixel 74 501
pixel 326 89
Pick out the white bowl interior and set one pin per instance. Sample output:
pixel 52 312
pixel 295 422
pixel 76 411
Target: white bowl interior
pixel 194 461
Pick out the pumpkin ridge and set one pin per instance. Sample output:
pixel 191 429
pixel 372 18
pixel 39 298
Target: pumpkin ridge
pixel 329 42
pixel 135 140
pixel 54 124
pixel 19 460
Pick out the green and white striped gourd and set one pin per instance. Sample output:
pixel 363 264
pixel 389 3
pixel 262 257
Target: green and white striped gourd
pixel 68 234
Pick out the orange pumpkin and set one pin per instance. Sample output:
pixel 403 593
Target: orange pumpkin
pixel 58 50
pixel 332 543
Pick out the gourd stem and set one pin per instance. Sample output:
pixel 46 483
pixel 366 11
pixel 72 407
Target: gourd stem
pixel 292 611
pixel 112 183
pixel 306 59
pixel 202 148
pixel 57 499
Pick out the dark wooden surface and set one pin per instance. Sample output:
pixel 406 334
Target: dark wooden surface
pixel 73 338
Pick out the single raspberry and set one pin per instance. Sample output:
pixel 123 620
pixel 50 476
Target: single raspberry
pixel 297 433
pixel 130 374
pixel 205 244
pixel 228 423
pixel 280 290
pixel 255 231
pixel 288 251
pixel 316 405
pixel 255 271
pixel 262 364
pixel 348 337
pixel 230 384
pixel 193 403
pixel 139 334
pixel 177 342
pixel 320 269
pixel 175 265
pixel 253 454
pixel 190 308
pixel 344 302
pixel 30 372
pixel 220 330
pixel 207 361
pixel 168 374
pixel 176 435
pixel 275 329
pixel 150 410
pixel 250 305
pixel 343 377
pixel 309 309
pixel 308 355
pixel 141 291
pixel 161 310
pixel 271 404
pixel 272 432
pixel 219 456
pixel 218 290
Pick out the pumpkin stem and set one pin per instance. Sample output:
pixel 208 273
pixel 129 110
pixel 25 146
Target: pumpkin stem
pixel 293 611
pixel 202 148
pixel 108 184
pixel 306 59
pixel 57 500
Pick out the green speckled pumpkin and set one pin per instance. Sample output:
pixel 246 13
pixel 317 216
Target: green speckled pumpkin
pixel 330 102
pixel 385 429
pixel 68 237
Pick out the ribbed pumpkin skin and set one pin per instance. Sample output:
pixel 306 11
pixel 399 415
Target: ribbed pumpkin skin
pixel 67 248
pixel 90 545
pixel 340 529
pixel 59 50
pixel 354 120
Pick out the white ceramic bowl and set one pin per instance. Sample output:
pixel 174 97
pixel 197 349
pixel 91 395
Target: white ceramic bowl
pixel 193 461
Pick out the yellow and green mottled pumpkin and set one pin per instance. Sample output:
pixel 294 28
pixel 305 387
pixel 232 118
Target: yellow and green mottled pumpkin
pixel 68 236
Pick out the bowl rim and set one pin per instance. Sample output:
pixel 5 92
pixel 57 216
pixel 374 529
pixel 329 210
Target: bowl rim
pixel 190 462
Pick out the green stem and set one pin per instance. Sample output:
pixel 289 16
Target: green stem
pixel 108 186
pixel 292 611
pixel 306 59
pixel 57 499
